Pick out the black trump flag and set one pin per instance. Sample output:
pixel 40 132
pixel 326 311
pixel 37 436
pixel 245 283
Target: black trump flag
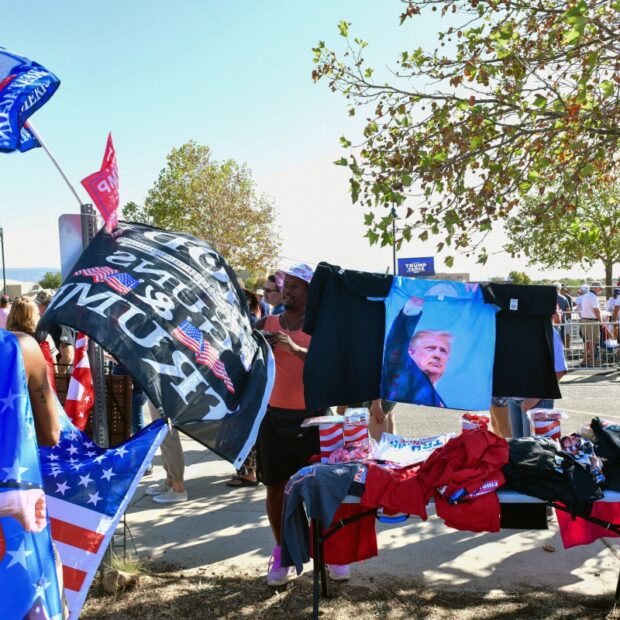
pixel 168 307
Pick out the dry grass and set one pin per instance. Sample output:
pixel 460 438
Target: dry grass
pixel 165 593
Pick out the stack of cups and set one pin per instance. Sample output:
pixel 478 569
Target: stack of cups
pixel 356 427
pixel 546 422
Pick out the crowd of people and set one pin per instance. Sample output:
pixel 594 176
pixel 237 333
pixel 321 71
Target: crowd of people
pixel 597 318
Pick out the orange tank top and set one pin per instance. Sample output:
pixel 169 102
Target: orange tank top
pixel 288 388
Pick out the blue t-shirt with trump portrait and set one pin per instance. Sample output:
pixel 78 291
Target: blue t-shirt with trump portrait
pixel 439 344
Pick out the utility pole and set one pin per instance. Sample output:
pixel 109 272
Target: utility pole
pixel 3 267
pixel 393 213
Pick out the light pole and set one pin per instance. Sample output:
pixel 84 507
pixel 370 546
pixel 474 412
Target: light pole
pixel 3 268
pixel 393 213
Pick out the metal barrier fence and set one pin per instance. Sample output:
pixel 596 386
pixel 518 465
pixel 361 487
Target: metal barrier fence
pixel 590 345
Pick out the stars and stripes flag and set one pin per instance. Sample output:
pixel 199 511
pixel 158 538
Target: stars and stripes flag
pixel 87 489
pixel 193 338
pixel 98 274
pixel 81 392
pixel 28 579
pixel 24 87
pixel 120 282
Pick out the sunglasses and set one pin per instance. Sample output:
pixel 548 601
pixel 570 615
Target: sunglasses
pixel 272 290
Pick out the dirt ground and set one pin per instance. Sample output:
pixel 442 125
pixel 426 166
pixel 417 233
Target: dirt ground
pixel 166 593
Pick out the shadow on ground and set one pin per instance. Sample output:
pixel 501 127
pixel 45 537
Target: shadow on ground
pixel 165 593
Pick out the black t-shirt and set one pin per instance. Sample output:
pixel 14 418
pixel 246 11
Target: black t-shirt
pixel 343 364
pixel 61 334
pixel 524 361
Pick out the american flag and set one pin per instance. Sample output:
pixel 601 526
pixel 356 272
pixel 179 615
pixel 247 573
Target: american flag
pixel 81 393
pixel 27 573
pixel 98 274
pixel 87 489
pixel 120 282
pixel 193 338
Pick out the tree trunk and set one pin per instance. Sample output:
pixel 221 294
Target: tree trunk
pixel 609 283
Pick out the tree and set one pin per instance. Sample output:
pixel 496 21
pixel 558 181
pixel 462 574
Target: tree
pixel 520 96
pixel 216 201
pixel 519 277
pixel 585 235
pixel 51 279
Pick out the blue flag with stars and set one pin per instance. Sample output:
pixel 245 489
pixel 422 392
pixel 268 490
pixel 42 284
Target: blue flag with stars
pixel 28 582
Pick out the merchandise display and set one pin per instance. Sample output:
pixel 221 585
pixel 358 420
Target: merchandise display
pixel 397 451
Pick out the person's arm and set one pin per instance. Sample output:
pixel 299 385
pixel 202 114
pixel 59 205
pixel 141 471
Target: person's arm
pixel 376 411
pixel 282 340
pixel 67 355
pixel 41 395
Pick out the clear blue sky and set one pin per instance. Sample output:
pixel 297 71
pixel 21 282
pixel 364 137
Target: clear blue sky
pixel 231 74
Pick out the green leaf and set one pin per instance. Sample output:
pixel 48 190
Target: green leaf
pixel 372 236
pixel 607 88
pixel 449 261
pixel 476 141
pixel 341 162
pixel 540 101
pixel 576 32
pixel 344 142
pixel 343 28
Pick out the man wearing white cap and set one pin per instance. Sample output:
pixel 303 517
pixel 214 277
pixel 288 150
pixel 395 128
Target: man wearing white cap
pixel 283 446
pixel 590 313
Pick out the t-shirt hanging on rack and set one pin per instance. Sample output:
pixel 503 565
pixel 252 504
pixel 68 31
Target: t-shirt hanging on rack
pixel 439 344
pixel 524 358
pixel 343 365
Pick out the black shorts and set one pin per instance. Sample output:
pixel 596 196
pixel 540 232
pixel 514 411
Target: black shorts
pixel 283 447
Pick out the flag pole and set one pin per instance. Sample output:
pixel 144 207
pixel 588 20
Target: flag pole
pixel 44 146
pixel 95 352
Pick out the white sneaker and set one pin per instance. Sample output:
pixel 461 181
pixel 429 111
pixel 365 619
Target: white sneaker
pixel 162 487
pixel 170 497
pixel 339 572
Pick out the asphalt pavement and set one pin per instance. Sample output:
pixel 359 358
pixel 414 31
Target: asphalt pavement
pixel 584 396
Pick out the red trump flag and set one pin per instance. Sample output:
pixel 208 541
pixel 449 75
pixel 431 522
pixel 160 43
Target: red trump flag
pixel 102 187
